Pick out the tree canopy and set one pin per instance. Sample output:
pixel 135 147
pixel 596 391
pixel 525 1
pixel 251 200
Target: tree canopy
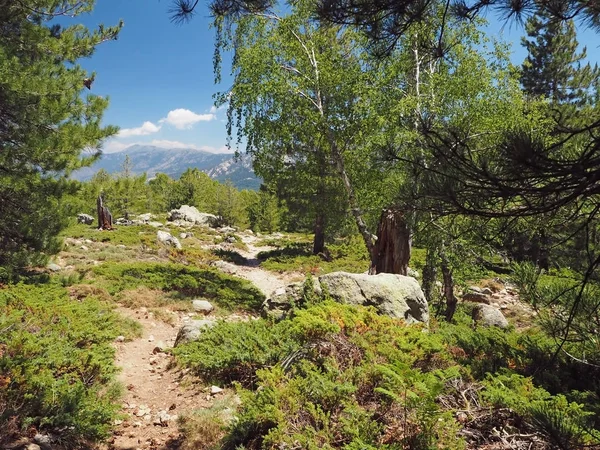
pixel 45 121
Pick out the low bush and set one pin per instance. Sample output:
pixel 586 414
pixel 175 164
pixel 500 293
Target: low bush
pixel 337 376
pixel 225 290
pixel 56 363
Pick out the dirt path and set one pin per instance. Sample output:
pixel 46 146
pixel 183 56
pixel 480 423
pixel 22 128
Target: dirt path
pixel 156 395
pixel 266 281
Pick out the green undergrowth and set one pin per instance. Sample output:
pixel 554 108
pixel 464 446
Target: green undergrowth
pixel 349 255
pixel 57 370
pixel 337 376
pixel 131 235
pixel 226 291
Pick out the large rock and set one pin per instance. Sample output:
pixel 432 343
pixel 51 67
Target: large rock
pixel 283 299
pixel 489 316
pixel 202 305
pixel 192 215
pixel 85 218
pixel 167 239
pixel 191 331
pixel 392 295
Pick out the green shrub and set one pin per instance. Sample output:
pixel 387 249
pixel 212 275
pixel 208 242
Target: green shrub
pixel 322 379
pixel 233 352
pixel 56 362
pixel 225 290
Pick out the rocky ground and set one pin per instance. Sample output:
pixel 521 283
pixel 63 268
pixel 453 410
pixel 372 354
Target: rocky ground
pixel 157 393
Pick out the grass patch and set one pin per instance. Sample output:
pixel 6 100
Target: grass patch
pixel 346 255
pixel 225 291
pixel 130 235
pixel 57 367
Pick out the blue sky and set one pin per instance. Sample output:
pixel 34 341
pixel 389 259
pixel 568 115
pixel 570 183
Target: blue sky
pixel 159 76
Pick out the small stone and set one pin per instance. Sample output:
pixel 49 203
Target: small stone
pixel 137 424
pixel 54 267
pixel 160 347
pixel 33 447
pixel 118 422
pixel 120 339
pixel 150 338
pixel 162 419
pixel 84 248
pixel 121 246
pixel 42 439
pixel 462 417
pixel 215 390
pixel 487 291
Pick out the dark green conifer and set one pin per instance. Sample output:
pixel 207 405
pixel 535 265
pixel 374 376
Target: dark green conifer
pixel 554 68
pixel 45 122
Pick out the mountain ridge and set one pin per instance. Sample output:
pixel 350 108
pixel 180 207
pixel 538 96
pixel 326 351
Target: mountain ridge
pixel 151 160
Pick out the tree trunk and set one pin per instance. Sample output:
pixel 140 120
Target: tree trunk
pixel 429 274
pixel 448 287
pixel 319 241
pixel 104 215
pixel 391 252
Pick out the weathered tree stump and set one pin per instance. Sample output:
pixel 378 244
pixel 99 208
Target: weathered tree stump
pixel 105 219
pixel 391 252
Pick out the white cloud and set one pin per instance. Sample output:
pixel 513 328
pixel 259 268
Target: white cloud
pixel 184 118
pixel 146 128
pixel 215 110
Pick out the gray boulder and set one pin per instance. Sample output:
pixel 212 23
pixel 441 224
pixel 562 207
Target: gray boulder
pixel 192 215
pixel 203 306
pixel 283 299
pixel 392 295
pixel 85 218
pixel 155 224
pixel 191 331
pixel 488 316
pixel 476 297
pixel 145 218
pixel 167 239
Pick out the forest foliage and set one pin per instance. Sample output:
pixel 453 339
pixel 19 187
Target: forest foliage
pixel 490 166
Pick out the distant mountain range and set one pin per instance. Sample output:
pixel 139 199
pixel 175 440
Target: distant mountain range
pixel 175 161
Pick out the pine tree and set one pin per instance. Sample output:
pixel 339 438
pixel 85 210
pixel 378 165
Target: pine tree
pixel 553 67
pixel 45 122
